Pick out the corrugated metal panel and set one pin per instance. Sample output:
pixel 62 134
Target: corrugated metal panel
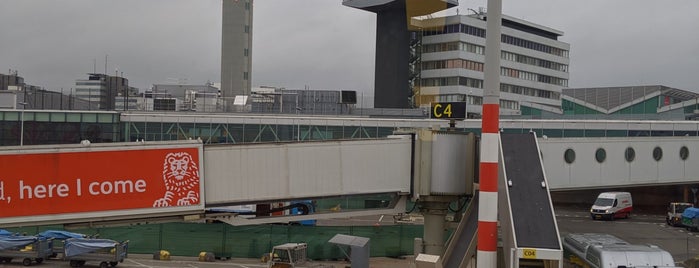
pixel 447 178
pixel 244 173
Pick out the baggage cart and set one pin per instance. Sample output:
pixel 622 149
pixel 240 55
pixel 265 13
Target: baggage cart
pixel 690 219
pixel 29 249
pixel 58 238
pixel 105 251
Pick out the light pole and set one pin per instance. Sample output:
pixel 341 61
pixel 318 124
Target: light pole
pixel 21 126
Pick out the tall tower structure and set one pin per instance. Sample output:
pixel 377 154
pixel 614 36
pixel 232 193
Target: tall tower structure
pixel 392 73
pixel 236 48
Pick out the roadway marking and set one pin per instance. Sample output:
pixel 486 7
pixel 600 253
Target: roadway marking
pixel 229 264
pixel 138 263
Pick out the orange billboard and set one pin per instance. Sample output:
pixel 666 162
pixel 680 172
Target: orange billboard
pixel 38 184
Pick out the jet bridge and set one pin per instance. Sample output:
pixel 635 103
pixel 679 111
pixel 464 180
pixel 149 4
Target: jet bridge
pixel 150 182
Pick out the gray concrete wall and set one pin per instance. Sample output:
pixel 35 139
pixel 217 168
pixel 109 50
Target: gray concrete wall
pixel 236 38
pixel 391 88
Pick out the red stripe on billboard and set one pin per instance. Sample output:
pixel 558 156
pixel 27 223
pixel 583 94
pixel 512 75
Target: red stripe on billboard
pixel 74 182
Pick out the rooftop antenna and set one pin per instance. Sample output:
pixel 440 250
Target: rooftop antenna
pixel 94 65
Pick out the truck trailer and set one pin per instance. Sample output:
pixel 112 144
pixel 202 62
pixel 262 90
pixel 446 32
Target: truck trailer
pixel 596 250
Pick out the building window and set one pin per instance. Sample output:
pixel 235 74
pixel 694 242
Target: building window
pixel 246 52
pixel 247 28
pixel 600 155
pixel 629 154
pixel 657 153
pixel 684 153
pixel 569 156
pixel 245 75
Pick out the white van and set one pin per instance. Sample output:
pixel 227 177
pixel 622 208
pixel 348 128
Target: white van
pixel 612 205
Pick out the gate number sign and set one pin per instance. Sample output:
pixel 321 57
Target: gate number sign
pixel 448 110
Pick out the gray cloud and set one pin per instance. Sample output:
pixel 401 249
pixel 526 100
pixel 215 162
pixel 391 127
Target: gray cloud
pixel 321 43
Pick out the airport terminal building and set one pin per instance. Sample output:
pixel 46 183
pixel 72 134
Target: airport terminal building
pixel 534 63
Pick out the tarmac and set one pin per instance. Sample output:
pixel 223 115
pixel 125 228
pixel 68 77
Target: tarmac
pixel 144 260
pixel 147 261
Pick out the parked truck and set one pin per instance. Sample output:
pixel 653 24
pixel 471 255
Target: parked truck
pixel 674 212
pixel 595 250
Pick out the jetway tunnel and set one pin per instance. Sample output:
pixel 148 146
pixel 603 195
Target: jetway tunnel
pixel 434 168
pixel 151 182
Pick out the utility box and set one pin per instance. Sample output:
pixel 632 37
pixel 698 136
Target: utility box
pixel 358 248
pixel 426 261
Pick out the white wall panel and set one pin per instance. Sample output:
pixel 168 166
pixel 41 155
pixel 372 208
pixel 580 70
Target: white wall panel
pixel 250 172
pixel 586 172
pixel 643 168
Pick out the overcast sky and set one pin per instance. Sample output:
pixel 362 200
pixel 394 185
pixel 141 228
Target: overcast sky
pixel 320 43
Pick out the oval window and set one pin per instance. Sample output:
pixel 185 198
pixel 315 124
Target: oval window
pixel 629 154
pixel 657 153
pixel 569 156
pixel 600 155
pixel 684 153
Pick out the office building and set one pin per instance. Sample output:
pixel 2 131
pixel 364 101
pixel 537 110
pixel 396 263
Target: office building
pixel 534 63
pixel 236 48
pixel 101 89
pixel 11 81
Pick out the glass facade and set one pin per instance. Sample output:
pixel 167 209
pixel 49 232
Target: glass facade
pixel 57 127
pixel 61 127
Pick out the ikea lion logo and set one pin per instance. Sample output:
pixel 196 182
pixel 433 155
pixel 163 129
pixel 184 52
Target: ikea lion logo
pixel 181 176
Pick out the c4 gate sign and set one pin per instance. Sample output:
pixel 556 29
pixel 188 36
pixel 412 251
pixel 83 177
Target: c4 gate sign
pixel 529 253
pixel 448 110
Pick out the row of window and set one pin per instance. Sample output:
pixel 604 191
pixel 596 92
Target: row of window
pixel 515 41
pixel 451 81
pixel 450 64
pixel 533 61
pixel 454 28
pixel 477 49
pixel 529 91
pixel 475 100
pixel 477 83
pixel 90 83
pixel 477 66
pixel 629 154
pixel 533 46
pixel 454 46
pixel 533 76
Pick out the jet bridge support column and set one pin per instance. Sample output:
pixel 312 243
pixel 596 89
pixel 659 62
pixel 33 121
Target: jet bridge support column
pixel 434 211
pixel 444 169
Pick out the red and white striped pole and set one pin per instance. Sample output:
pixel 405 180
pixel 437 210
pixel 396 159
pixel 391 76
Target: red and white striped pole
pixel 486 256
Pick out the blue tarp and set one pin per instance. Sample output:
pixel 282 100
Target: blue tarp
pixel 79 246
pixel 55 234
pixel 5 232
pixel 16 242
pixel 690 213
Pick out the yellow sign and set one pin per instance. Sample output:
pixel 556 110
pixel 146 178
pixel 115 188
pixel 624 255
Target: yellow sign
pixel 529 253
